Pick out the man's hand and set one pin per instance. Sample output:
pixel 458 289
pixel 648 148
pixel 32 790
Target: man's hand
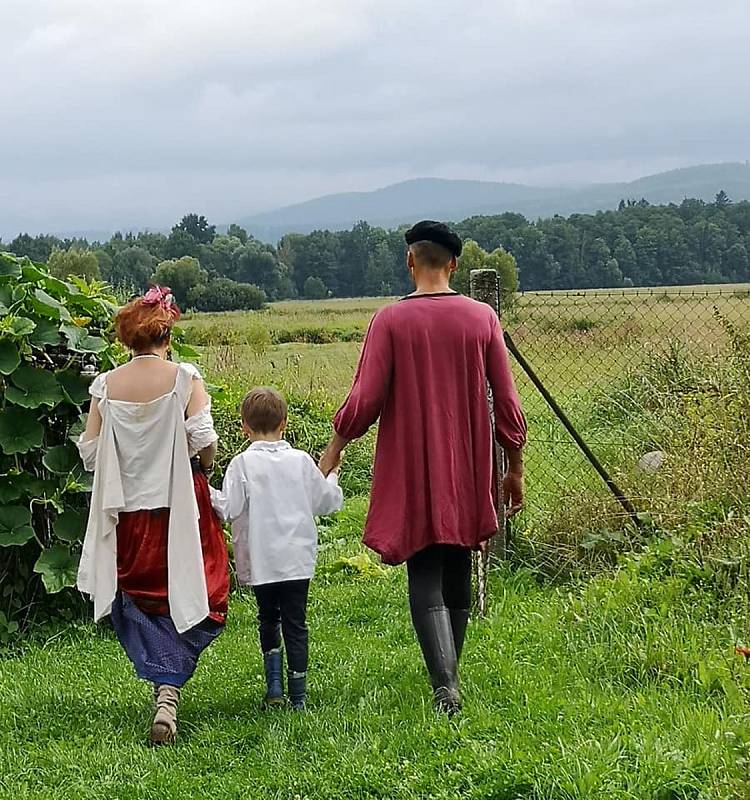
pixel 329 462
pixel 331 458
pixel 513 493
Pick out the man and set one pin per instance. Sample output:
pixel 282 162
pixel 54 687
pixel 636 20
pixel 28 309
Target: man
pixel 423 371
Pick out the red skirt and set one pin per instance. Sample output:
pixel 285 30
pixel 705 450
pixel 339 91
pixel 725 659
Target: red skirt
pixel 142 555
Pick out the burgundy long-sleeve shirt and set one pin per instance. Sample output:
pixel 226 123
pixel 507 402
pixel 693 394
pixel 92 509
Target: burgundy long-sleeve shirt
pixel 423 371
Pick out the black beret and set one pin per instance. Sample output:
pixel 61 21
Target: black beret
pixel 430 231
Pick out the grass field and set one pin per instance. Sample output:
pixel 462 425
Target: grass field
pixel 623 687
pixel 617 679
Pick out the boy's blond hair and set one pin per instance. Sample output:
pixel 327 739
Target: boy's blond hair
pixel 263 410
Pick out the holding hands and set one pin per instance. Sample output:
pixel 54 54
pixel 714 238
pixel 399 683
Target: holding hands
pixel 330 460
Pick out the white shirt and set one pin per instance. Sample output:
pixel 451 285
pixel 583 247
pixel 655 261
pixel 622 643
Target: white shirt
pixel 271 495
pixel 141 460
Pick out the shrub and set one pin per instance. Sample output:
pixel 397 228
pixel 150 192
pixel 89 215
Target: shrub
pixel 53 339
pixel 314 288
pixel 474 257
pixel 223 294
pixel 183 275
pixel 258 337
pixel 82 263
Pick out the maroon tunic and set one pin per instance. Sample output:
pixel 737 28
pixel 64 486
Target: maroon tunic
pixel 423 370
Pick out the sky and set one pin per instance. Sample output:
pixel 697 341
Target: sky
pixel 124 114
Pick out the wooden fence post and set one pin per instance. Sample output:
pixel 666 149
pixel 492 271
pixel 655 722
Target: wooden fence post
pixel 485 287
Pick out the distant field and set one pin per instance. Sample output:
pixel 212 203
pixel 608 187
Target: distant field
pixel 345 319
pixel 592 350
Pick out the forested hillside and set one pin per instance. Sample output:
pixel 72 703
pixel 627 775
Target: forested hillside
pixel 439 198
pixel 636 245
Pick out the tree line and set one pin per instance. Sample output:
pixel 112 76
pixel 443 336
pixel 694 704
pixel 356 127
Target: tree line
pixel 637 244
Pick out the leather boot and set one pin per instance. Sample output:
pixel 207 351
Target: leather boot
pixel 435 635
pixel 272 663
pixel 297 688
pixel 164 727
pixel 459 621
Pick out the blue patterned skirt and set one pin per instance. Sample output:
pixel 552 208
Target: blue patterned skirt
pixel 159 653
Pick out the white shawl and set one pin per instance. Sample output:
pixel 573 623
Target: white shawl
pixel 122 432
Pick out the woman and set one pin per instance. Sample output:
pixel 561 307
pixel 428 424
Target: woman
pixel 154 555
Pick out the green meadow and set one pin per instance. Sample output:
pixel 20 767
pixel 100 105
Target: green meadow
pixel 606 666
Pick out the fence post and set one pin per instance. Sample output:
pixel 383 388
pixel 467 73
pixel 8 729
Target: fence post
pixel 485 287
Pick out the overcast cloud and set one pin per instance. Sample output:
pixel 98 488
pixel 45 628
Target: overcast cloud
pixel 123 113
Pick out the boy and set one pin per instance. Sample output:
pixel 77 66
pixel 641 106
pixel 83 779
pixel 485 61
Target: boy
pixel 271 494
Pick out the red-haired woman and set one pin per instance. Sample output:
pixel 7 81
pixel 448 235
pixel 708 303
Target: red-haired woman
pixel 154 555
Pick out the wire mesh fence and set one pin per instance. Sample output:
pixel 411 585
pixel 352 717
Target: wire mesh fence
pixel 628 368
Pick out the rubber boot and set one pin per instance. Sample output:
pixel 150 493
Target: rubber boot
pixel 435 635
pixel 272 663
pixel 459 621
pixel 164 727
pixel 297 688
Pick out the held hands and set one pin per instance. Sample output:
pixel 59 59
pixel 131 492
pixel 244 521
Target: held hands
pixel 330 461
pixel 513 493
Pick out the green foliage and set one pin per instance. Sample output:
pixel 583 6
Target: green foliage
pixel 309 429
pixel 624 687
pixel 314 288
pixel 636 245
pixel 223 294
pixel 360 566
pixel 53 337
pixel 129 267
pixel 197 227
pixel 474 257
pixel 82 263
pixel 183 275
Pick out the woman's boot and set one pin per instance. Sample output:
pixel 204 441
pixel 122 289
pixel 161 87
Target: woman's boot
pixel 435 635
pixel 272 664
pixel 297 687
pixel 164 727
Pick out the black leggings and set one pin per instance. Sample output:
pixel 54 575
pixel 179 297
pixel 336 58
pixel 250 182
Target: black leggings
pixel 282 607
pixel 439 575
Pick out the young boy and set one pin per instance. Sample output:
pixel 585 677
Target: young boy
pixel 271 494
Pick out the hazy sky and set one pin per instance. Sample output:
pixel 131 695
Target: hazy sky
pixel 131 112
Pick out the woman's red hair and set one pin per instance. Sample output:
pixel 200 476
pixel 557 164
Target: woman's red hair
pixel 139 326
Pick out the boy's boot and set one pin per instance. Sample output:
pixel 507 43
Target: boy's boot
pixel 272 663
pixel 435 635
pixel 164 727
pixel 459 621
pixel 297 689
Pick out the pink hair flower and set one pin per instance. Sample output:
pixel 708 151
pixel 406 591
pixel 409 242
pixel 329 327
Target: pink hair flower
pixel 161 296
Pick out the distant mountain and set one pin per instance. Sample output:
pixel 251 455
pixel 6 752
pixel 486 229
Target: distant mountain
pixel 456 199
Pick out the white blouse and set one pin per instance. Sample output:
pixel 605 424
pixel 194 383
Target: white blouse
pixel 271 494
pixel 141 460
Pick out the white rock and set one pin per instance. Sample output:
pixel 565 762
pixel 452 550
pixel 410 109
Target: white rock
pixel 652 462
